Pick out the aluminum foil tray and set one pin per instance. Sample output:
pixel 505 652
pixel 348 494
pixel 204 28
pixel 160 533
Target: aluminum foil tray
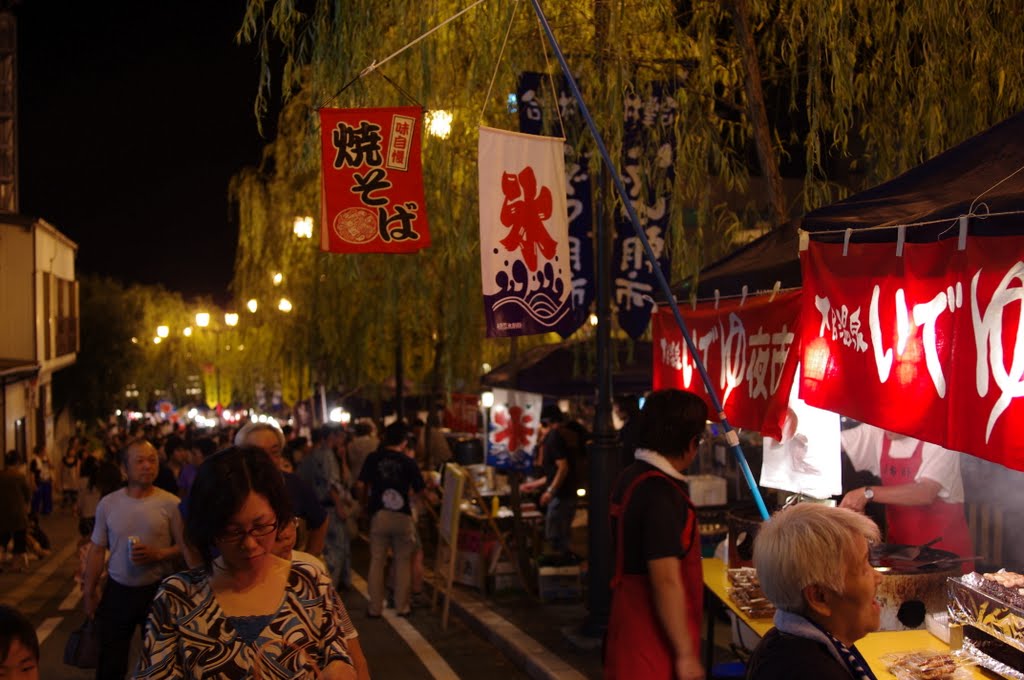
pixel 972 603
pixel 977 650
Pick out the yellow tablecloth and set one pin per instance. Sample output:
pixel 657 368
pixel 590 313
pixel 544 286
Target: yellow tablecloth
pixel 873 646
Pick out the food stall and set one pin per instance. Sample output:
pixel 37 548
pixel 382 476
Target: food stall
pixel 930 266
pixel 911 295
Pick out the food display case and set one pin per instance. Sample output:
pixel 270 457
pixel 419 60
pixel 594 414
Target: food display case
pixel 991 619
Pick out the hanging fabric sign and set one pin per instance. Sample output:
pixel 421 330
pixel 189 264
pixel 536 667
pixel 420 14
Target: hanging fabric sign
pixel 648 143
pixel 512 430
pixel 578 187
pixel 930 344
pixel 372 181
pixel 524 240
pixel 748 349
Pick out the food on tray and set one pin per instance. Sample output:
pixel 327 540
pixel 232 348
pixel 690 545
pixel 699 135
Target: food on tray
pixel 923 665
pixel 745 591
pixel 1007 579
pixel 1007 586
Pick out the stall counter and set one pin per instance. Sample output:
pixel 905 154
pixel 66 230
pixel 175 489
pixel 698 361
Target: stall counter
pixel 872 647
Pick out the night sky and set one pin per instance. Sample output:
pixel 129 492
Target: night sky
pixel 134 116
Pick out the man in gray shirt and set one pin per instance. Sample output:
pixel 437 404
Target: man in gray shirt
pixel 141 526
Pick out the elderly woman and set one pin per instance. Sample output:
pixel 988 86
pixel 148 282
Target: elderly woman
pixel 245 613
pixel 812 561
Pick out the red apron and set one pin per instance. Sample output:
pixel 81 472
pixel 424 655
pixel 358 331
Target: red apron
pixel 917 524
pixel 636 646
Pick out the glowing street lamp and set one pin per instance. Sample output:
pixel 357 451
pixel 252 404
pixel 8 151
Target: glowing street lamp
pixel 285 305
pixel 187 331
pixel 163 331
pixel 252 305
pixel 157 340
pixel 231 318
pixel 439 123
pixel 203 319
pixel 303 227
pixel 278 278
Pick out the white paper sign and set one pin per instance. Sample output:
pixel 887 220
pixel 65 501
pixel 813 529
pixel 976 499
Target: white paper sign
pixel 808 460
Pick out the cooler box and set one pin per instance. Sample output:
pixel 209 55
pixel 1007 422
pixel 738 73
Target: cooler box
pixel 559 583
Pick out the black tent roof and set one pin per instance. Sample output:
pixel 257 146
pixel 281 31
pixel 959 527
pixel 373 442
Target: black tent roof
pixel 758 265
pixel 569 369
pixel 986 172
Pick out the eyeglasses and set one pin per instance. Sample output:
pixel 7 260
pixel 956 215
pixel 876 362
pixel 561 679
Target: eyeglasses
pixel 257 531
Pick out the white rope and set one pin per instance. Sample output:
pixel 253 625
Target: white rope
pixel 377 64
pixel 956 222
pixel 497 64
pixel 971 210
pixel 912 225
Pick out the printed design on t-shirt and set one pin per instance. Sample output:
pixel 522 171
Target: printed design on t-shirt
pixel 392 500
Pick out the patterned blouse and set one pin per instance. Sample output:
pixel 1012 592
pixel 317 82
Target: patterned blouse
pixel 188 635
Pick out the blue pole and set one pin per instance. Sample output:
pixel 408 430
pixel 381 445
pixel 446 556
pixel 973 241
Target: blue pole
pixel 730 434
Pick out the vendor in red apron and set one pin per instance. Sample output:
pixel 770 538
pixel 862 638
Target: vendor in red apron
pixel 657 583
pixel 922 490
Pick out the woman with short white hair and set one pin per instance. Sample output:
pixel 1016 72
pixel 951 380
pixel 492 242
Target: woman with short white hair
pixel 813 564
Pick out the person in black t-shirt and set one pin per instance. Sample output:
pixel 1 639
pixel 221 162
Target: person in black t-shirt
pixel 388 480
pixel 657 588
pixel 559 452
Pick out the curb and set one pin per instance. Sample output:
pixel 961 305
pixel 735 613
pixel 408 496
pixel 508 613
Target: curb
pixel 527 654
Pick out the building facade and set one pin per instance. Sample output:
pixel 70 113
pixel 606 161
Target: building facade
pixel 38 328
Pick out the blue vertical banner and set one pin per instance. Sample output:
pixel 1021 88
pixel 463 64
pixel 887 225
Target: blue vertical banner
pixel 579 201
pixel 648 172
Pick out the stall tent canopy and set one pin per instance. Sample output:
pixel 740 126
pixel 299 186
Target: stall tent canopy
pixel 567 369
pixel 916 288
pixel 984 174
pixel 758 265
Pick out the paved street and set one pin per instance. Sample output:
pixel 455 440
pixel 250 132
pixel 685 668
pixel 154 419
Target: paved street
pixel 396 648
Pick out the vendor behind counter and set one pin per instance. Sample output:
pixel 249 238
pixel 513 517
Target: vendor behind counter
pixel 922 490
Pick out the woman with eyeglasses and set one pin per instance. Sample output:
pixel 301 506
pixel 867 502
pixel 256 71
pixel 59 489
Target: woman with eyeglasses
pixel 246 613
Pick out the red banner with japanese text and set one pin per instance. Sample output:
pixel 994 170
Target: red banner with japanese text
pixel 372 199
pixel 928 344
pixel 748 348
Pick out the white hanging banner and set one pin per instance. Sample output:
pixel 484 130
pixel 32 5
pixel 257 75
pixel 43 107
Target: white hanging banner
pixel 512 430
pixel 524 234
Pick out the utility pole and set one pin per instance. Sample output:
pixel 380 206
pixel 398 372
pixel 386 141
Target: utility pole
pixel 604 448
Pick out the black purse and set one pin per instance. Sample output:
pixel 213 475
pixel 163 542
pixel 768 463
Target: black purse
pixel 83 646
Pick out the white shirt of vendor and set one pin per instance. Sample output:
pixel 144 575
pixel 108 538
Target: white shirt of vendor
pixel 863 444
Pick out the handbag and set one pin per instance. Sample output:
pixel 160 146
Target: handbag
pixel 82 649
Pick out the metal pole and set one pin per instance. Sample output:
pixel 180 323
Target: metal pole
pixel 730 435
pixel 604 450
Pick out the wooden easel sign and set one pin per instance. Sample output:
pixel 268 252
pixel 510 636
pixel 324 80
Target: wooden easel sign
pixel 448 529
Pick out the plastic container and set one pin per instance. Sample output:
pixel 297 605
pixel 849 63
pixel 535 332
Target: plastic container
pixel 707 490
pixel 559 583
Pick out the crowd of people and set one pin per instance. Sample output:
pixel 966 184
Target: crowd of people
pixel 229 547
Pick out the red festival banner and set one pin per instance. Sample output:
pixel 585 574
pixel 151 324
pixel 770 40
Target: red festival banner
pixel 928 344
pixel 372 181
pixel 746 349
